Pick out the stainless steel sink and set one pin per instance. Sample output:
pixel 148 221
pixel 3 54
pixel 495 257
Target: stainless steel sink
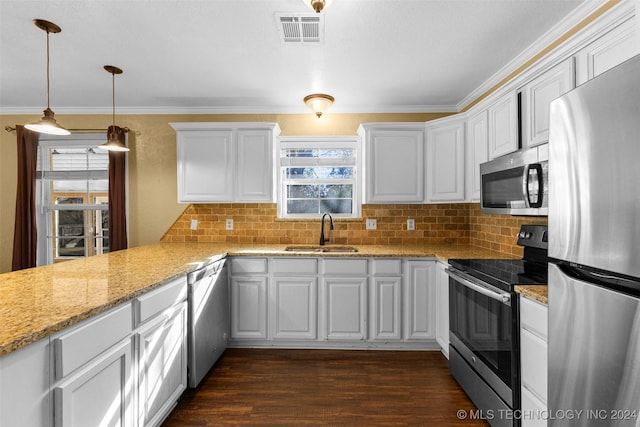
pixel 318 248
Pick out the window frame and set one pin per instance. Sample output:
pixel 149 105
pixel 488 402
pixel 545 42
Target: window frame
pixel 329 142
pixel 45 215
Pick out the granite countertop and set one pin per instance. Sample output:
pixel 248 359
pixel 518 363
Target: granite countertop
pixel 538 293
pixel 40 301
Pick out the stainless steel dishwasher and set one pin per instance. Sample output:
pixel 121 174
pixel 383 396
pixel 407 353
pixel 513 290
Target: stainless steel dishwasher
pixel 209 322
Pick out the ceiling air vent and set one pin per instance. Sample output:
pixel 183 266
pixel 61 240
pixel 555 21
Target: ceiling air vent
pixel 300 28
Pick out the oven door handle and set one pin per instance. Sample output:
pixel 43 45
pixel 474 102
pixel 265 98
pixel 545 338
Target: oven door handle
pixel 502 297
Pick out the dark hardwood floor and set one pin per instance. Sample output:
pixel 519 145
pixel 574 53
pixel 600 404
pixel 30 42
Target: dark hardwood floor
pixel 268 387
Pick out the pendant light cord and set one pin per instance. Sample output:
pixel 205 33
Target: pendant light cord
pixel 48 62
pixel 113 96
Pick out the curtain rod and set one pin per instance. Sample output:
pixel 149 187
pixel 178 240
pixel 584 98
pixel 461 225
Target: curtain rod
pixel 126 129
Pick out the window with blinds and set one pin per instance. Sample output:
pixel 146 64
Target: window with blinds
pixel 73 197
pixel 317 176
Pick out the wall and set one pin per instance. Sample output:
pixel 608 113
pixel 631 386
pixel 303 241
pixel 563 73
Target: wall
pixel 152 161
pixel 455 223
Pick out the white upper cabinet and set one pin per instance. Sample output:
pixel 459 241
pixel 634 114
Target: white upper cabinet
pixel 393 162
pixel 604 53
pixel 503 125
pixel 536 96
pixel 445 160
pixel 226 162
pixel 477 152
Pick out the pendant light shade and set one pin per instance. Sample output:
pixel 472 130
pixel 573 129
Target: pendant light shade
pixel 115 134
pixel 48 123
pixel 319 103
pixel 317 5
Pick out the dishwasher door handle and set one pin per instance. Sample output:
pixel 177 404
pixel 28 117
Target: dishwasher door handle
pixel 503 297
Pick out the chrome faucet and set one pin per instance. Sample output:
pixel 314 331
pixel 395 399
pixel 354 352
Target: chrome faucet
pixel 322 239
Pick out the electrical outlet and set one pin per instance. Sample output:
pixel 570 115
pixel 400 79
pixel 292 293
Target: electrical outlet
pixel 411 224
pixel 194 224
pixel 229 224
pixel 372 224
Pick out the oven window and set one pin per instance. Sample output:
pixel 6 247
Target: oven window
pixel 484 326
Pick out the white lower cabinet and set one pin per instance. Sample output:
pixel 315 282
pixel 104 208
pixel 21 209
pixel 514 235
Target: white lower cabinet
pixel 386 299
pixel 533 361
pixel 442 311
pixel 345 308
pixel 420 301
pixel 293 300
pixel 161 361
pixel 99 394
pixel 93 371
pixel 249 298
pixel 24 386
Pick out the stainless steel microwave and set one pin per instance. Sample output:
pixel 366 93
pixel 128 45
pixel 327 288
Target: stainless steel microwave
pixel 515 184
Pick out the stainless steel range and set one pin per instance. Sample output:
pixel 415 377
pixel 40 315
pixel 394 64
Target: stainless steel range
pixel 484 355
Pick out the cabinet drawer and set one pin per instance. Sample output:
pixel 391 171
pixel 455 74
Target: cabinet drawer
pixel 533 317
pixel 91 338
pixel 345 267
pixel 158 300
pixel 249 266
pixel 293 266
pixel 533 357
pixel 387 266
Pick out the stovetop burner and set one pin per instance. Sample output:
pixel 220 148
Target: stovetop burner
pixel 507 273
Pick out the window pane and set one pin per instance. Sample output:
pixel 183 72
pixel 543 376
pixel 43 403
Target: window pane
pixel 70 232
pixel 319 173
pixel 302 191
pixel 336 191
pixel 297 206
pixel 336 206
pixel 78 158
pixel 332 153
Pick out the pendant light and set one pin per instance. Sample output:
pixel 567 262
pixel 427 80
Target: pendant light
pixel 114 141
pixel 319 103
pixel 47 124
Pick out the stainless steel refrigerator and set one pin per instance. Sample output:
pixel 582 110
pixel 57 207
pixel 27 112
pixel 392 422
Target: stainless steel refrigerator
pixel 594 243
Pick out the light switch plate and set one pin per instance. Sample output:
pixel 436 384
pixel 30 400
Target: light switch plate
pixel 372 224
pixel 194 224
pixel 411 224
pixel 229 224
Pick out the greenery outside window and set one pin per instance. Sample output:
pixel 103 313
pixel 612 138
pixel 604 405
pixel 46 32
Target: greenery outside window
pixel 318 175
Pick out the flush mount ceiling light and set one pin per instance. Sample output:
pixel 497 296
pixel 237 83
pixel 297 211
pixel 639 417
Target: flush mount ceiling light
pixel 317 5
pixel 47 124
pixel 319 103
pixel 114 142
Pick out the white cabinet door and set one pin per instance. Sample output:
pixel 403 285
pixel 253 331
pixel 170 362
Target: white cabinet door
pixel 420 301
pixel 477 152
pixel 442 309
pixel 503 126
pixel 24 386
pixel 537 95
pixel 394 163
pixel 533 357
pixel 346 308
pixel 161 364
pixel 205 166
pixel 249 307
pixel 98 394
pixel 606 52
pixel 255 174
pixel 387 308
pixel 293 308
pixel 445 160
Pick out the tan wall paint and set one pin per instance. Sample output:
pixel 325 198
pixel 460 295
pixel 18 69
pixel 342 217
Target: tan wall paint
pixel 152 161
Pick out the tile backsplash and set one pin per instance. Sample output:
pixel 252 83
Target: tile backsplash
pixel 455 223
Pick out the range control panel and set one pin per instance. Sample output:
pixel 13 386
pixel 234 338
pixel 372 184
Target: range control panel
pixel 534 236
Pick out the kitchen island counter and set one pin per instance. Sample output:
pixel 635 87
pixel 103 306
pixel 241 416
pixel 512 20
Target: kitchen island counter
pixel 41 301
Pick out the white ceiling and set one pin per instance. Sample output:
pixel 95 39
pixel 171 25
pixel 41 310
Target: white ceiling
pixel 212 56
